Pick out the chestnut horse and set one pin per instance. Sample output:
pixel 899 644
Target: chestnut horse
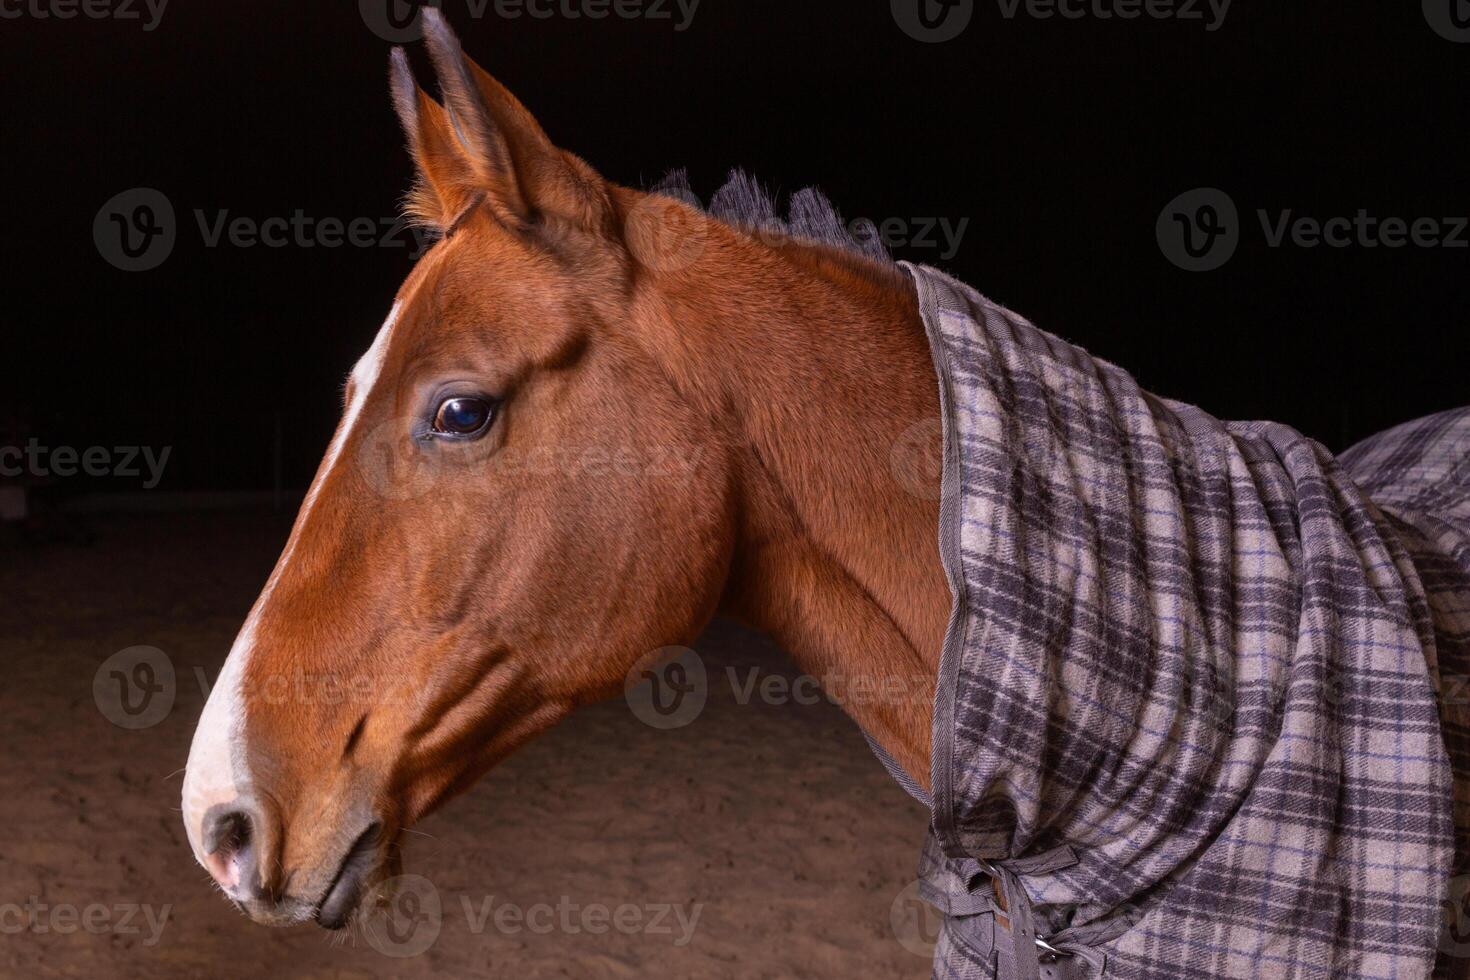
pixel 441 600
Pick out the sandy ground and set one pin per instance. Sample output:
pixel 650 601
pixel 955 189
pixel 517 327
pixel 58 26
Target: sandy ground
pixel 761 840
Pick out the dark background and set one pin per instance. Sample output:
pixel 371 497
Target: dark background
pixel 1059 140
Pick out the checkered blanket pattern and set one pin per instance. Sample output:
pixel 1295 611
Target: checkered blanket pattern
pixel 1205 655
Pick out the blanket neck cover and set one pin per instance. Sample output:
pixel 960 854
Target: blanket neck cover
pixel 1188 721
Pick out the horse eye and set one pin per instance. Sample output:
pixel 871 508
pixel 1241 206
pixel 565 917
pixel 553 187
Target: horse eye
pixel 463 416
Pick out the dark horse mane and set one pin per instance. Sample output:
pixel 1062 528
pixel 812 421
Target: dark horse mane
pixel 810 215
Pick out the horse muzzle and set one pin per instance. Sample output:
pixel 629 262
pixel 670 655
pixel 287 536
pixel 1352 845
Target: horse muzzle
pixel 242 842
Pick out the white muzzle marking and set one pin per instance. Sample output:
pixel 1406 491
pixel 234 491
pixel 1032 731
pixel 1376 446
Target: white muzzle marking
pixel 217 770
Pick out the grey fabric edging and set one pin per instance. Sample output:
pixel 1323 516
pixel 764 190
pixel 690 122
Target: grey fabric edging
pixel 941 762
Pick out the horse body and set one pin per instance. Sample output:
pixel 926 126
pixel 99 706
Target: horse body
pixel 594 417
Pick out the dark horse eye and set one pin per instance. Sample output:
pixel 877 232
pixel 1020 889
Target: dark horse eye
pixel 463 416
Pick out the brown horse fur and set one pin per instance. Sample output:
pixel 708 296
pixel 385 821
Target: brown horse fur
pixel 459 600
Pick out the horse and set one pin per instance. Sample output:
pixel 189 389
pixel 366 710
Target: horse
pixel 459 578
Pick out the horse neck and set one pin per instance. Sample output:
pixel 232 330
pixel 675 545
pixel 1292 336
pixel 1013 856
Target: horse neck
pixel 816 362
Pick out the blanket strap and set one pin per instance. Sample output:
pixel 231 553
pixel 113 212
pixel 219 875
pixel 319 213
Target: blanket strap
pixel 1025 944
pixel 1027 947
pixel 995 888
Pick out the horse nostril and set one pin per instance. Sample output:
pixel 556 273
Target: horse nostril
pixel 226 829
pixel 227 839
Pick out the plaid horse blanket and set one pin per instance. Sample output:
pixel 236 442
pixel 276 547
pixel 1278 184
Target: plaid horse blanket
pixel 1202 703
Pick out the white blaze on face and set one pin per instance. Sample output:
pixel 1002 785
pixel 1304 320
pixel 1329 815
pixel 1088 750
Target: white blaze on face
pixel 217 770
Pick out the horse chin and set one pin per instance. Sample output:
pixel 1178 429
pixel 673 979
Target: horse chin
pixel 364 869
pixel 288 912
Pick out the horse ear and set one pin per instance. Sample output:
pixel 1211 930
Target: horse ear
pixel 445 183
pixel 484 142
